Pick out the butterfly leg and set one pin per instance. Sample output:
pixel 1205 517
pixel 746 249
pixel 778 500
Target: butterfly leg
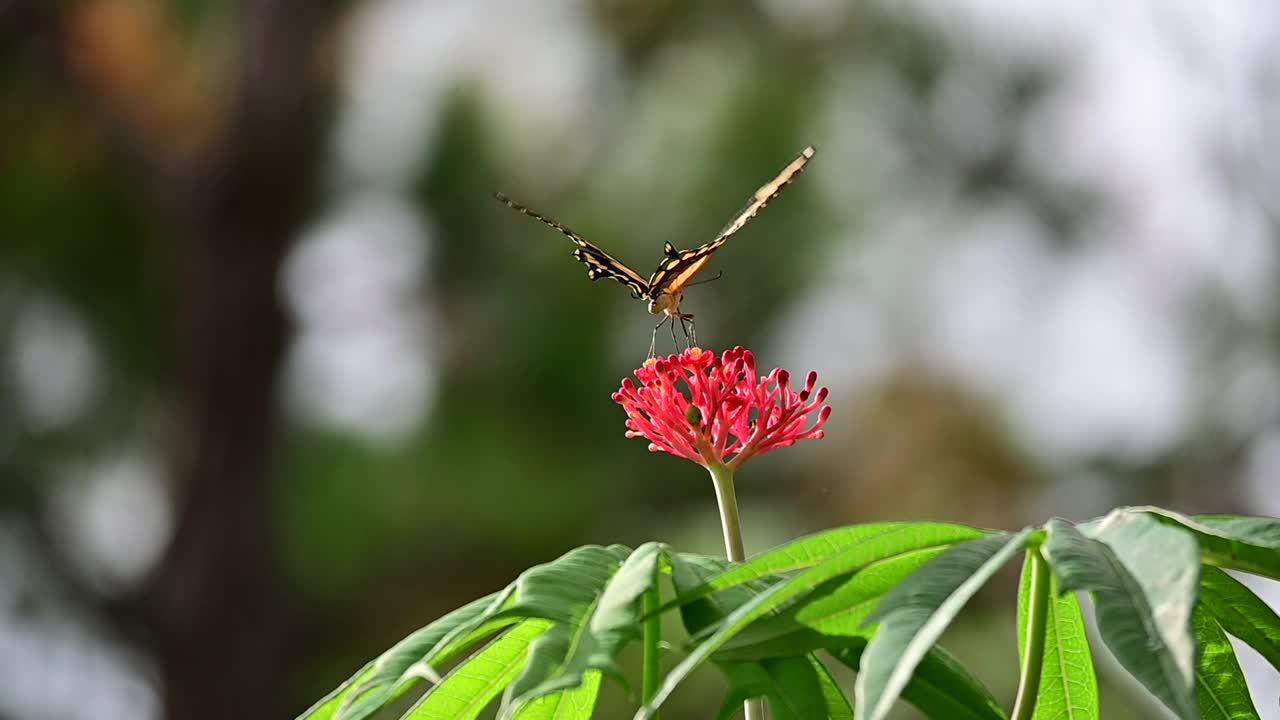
pixel 674 342
pixel 684 328
pixel 653 341
pixel 690 331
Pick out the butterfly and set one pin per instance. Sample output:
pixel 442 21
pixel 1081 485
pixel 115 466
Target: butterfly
pixel 665 287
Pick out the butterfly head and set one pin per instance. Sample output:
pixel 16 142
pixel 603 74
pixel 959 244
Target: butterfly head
pixel 666 303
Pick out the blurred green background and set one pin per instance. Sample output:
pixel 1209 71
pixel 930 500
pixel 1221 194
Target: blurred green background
pixel 280 381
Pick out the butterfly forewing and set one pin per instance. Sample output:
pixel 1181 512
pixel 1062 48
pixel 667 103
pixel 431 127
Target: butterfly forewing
pixel 600 264
pixel 679 267
pixel 767 192
pixel 677 270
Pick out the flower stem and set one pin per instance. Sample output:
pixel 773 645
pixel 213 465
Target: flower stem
pixel 652 636
pixel 1033 649
pixel 722 478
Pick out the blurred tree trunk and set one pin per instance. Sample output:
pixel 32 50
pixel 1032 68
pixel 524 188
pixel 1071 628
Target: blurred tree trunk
pixel 224 630
pixel 216 614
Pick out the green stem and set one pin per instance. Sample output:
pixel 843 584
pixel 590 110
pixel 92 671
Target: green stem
pixel 652 635
pixel 722 478
pixel 1033 647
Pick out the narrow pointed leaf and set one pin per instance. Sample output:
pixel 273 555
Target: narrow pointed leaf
pixel 1251 544
pixel 940 687
pixel 1165 560
pixel 327 706
pixel 573 704
pixel 1153 646
pixel 914 615
pixel 844 562
pixel 467 689
pixel 813 549
pixel 797 693
pixel 1068 685
pixel 746 680
pixel 792 685
pixel 551 590
pixel 1221 691
pixel 392 672
pixel 838 707
pixel 463 633
pixel 557 590
pixel 804 689
pixel 829 616
pixel 1241 613
pixel 592 635
pixel 690 572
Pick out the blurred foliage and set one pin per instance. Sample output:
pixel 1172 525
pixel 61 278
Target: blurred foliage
pixel 525 353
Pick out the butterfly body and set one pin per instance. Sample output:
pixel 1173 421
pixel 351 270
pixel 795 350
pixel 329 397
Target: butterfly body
pixel 667 303
pixel 664 289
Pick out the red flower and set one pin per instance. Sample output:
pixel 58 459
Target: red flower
pixel 724 413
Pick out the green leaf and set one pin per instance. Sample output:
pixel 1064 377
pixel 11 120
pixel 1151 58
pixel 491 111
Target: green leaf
pixel 1259 531
pixel 392 673
pixel 1165 560
pixel 1241 613
pixel 848 560
pixel 1145 622
pixel 1221 691
pixel 828 616
pixel 597 615
pixel 792 685
pixel 572 704
pixel 462 636
pixel 838 707
pixel 1251 544
pixel 1068 686
pixel 327 706
pixel 556 591
pixel 809 551
pixel 940 687
pixel 690 571
pixel 914 615
pixel 746 680
pixel 476 681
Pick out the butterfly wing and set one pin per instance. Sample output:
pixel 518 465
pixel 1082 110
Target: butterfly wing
pixel 600 264
pixel 767 192
pixel 678 269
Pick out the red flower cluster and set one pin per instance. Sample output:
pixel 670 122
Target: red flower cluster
pixel 725 413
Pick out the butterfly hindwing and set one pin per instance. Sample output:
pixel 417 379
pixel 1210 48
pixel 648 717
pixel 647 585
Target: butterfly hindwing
pixel 677 270
pixel 600 264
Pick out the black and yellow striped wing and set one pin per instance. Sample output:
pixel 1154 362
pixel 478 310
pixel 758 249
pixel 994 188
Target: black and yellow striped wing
pixel 679 267
pixel 600 264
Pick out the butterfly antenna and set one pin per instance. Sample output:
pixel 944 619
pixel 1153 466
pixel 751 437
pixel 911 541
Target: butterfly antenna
pixel 707 280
